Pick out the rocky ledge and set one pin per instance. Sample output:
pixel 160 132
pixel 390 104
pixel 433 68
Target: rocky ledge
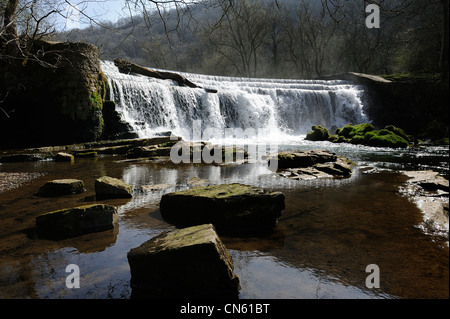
pixel 307 165
pixel 430 192
pixel 231 208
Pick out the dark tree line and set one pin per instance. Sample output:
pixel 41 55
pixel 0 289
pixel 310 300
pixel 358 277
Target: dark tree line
pixel 271 38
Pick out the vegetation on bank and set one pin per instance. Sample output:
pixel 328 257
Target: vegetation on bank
pixel 366 134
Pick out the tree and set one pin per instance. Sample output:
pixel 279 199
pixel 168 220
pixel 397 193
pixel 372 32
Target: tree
pixel 407 10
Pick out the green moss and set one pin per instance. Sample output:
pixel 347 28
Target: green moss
pixel 319 133
pixel 349 131
pixel 397 131
pixel 384 138
pixel 221 191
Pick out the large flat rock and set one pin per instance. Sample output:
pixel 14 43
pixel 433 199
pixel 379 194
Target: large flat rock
pixel 61 187
pixel 109 187
pixel 77 221
pixel 184 263
pixel 232 208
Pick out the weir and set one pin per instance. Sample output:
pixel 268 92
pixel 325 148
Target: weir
pixel 284 108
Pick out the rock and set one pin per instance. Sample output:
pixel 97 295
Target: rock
pixel 365 134
pixel 231 208
pixel 89 154
pixel 109 187
pixel 61 187
pixel 307 165
pixel 183 263
pixel 64 157
pixel 303 159
pixel 195 182
pixel 318 133
pixel 77 221
pixel 17 158
pixel 430 192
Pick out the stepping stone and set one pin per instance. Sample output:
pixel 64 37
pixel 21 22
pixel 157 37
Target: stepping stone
pixel 61 187
pixel 109 187
pixel 77 221
pixel 231 208
pixel 184 263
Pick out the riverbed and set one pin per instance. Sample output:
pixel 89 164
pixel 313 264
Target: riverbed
pixel 329 232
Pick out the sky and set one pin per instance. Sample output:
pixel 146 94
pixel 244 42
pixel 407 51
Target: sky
pixel 103 10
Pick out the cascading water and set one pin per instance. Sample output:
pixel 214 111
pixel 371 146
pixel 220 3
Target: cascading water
pixel 284 108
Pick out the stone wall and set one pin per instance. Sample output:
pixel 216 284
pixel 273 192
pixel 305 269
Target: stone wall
pixel 418 107
pixel 55 98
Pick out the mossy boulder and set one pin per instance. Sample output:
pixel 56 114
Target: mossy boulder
pixel 109 187
pixel 365 134
pixel 319 133
pixel 302 159
pixel 231 208
pixel 61 187
pixel 184 263
pixel 76 221
pixel 384 138
pixel 64 157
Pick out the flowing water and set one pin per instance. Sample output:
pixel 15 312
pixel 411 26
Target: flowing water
pixel 330 231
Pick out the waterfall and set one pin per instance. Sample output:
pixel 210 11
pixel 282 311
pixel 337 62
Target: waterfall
pixel 284 108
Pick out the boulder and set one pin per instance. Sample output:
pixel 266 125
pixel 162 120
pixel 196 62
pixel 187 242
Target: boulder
pixel 183 263
pixel 77 221
pixel 319 133
pixel 109 187
pixel 61 187
pixel 307 165
pixel 64 157
pixel 302 159
pixel 231 208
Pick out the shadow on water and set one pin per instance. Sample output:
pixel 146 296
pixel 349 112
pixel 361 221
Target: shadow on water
pixel 327 235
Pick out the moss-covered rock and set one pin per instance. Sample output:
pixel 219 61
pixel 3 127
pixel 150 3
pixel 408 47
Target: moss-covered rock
pixel 365 134
pixel 61 187
pixel 231 208
pixel 319 133
pixel 184 263
pixel 77 221
pixel 109 187
pixel 384 138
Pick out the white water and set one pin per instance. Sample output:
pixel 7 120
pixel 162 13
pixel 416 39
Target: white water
pixel 283 109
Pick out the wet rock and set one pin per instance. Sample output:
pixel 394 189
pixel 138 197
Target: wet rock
pixel 61 187
pixel 303 159
pixel 232 208
pixel 430 192
pixel 89 154
pixel 109 187
pixel 63 157
pixel 77 221
pixel 183 263
pixel 319 133
pixel 195 182
pixel 18 158
pixel 307 165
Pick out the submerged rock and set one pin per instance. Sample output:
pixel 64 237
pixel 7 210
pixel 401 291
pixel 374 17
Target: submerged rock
pixel 232 208
pixel 184 263
pixel 61 187
pixel 77 221
pixel 109 187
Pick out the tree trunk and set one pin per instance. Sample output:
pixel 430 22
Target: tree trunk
pixel 11 37
pixel 443 63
